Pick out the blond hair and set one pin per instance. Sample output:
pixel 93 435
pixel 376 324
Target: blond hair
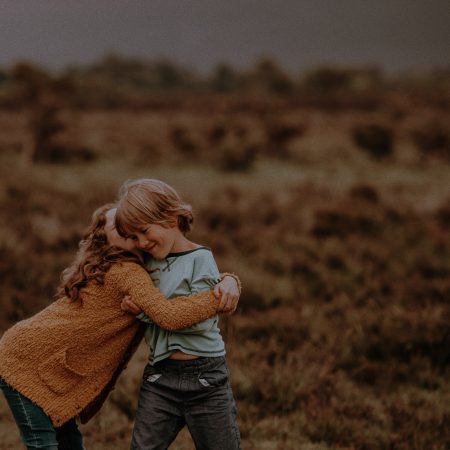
pixel 149 201
pixel 94 258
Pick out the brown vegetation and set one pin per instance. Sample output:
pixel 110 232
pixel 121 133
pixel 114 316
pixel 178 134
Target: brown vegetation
pixel 341 339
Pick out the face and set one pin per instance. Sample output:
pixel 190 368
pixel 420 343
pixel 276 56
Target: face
pixel 113 237
pixel 156 239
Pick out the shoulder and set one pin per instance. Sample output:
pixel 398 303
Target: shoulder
pixel 203 261
pixel 202 254
pixel 195 255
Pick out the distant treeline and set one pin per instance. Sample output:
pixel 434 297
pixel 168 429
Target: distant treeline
pixel 120 81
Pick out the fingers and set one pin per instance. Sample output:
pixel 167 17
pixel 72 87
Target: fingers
pixel 123 304
pixel 134 308
pixel 231 311
pixel 129 306
pixel 223 304
pixel 228 304
pixel 234 300
pixel 217 292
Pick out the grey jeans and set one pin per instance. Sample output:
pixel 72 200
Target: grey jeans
pixel 195 393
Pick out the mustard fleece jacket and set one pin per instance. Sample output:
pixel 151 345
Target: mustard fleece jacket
pixel 67 357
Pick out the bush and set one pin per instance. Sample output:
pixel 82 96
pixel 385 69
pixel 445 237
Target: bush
pixel 432 139
pixel 377 140
pixel 338 222
pixel 327 79
pixel 237 158
pixel 268 76
pixel 182 140
pixel 63 154
pixel 45 125
pixel 217 133
pixel 443 215
pixel 365 192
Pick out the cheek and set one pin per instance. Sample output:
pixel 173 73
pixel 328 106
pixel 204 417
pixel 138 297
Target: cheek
pixel 113 238
pixel 124 243
pixel 166 237
pixel 121 242
pixel 154 236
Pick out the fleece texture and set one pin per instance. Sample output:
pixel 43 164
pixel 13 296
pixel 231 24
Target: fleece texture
pixel 67 357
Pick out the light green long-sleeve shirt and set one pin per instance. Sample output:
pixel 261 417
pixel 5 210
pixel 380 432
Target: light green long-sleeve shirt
pixel 184 273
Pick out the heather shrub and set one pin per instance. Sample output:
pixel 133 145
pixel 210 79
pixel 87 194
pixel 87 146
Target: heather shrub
pixel 226 219
pixel 217 133
pixel 62 141
pixel 365 192
pixel 341 337
pixel 443 215
pixel 279 135
pixel 336 222
pixel 148 151
pixel 65 152
pixel 267 76
pixel 30 83
pixel 377 140
pixel 236 156
pixel 225 79
pixel 182 140
pixel 432 139
pixel 45 125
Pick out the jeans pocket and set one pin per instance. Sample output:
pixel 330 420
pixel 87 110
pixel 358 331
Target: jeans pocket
pixel 214 376
pixel 151 374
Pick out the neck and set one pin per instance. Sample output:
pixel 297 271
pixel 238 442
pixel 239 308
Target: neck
pixel 183 244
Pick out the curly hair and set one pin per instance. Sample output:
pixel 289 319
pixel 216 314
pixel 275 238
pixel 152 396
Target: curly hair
pixel 94 258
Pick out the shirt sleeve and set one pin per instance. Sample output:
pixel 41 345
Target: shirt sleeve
pixel 205 274
pixel 144 318
pixel 181 312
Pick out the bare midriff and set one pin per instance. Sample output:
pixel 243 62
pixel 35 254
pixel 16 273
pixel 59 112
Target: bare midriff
pixel 182 356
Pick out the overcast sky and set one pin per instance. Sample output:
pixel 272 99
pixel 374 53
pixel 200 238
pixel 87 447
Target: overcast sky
pixel 394 34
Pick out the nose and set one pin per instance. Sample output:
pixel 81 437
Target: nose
pixel 142 242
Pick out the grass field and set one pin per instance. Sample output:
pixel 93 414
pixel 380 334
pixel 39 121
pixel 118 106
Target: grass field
pixel 341 339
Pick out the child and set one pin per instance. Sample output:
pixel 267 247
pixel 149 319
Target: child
pixel 186 379
pixel 61 363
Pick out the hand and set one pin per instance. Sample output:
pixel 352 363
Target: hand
pixel 129 306
pixel 228 292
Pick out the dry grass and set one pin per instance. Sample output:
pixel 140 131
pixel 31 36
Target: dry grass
pixel 341 339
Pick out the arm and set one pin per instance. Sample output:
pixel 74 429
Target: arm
pixel 226 291
pixel 205 281
pixel 180 312
pixel 201 284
